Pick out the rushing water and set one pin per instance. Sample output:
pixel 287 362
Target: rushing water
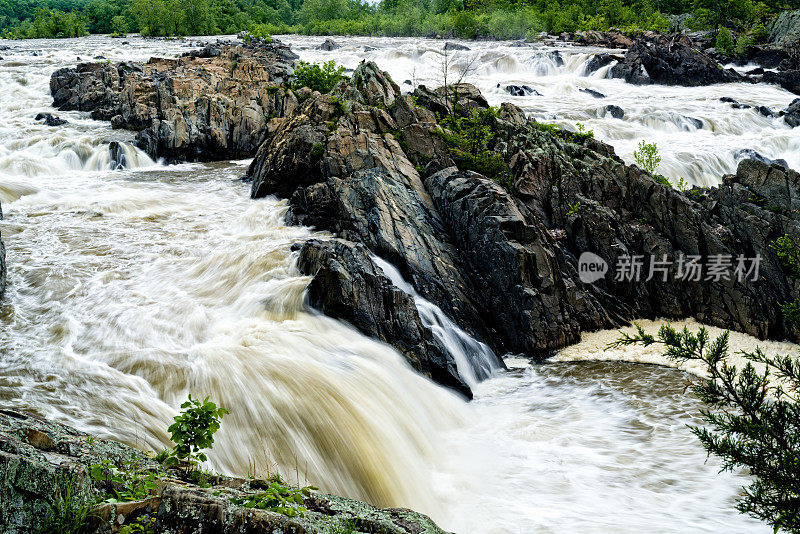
pixel 653 113
pixel 131 288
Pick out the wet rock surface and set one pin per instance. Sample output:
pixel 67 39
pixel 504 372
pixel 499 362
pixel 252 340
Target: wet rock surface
pixel 502 259
pixel 40 460
pixel 213 103
pixel 670 60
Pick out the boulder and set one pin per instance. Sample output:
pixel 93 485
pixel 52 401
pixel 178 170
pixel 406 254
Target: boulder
pixel 788 79
pixel 209 104
pixel 749 153
pixel 521 90
pixel 670 60
pixel 596 94
pixel 615 111
pixel 792 113
pixel 329 45
pixel 449 45
pixel 50 119
pixel 599 61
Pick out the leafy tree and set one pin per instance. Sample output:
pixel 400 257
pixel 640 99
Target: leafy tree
pixel 753 418
pixel 317 78
pixel 724 44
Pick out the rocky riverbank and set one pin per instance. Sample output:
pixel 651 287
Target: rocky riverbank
pixel 391 175
pixel 44 464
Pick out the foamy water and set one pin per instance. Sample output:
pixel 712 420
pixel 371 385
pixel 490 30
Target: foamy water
pixel 130 289
pixel 656 114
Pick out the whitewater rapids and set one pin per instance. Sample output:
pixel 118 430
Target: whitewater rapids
pixel 130 289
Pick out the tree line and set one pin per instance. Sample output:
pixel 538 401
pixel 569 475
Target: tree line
pixel 503 19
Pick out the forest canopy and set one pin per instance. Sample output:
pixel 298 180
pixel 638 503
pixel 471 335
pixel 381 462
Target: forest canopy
pixel 503 19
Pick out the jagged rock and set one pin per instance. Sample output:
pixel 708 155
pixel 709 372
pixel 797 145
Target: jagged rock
pixel 615 111
pixel 30 479
pixel 792 113
pixel 599 61
pixel 670 60
pixel 210 104
pixel 596 94
pixel 329 45
pixel 765 111
pixel 440 100
pixel 521 90
pixel 557 58
pixel 449 45
pixel 749 153
pixel 117 156
pixel 788 79
pixel 50 119
pixel 349 286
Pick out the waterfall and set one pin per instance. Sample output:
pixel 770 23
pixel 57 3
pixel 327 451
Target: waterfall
pixel 475 361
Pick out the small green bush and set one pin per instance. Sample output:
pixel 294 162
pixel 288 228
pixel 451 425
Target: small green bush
pixel 469 141
pixel 193 431
pixel 724 44
pixel 317 78
pixel 647 156
pixel 787 251
pixel 278 498
pixel 121 485
pixel 791 313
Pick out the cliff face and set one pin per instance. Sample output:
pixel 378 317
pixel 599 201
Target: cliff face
pixel 502 260
pixel 44 464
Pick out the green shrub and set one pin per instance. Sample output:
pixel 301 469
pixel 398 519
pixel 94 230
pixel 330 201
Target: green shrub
pixel 317 78
pixel 724 43
pixel 258 32
pixel 759 34
pixel 278 498
pixel 753 418
pixel 468 141
pixel 647 157
pixel 193 431
pixel 743 42
pixel 787 251
pixel 791 313
pixel 121 485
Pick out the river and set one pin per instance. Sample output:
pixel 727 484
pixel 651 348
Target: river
pixel 130 289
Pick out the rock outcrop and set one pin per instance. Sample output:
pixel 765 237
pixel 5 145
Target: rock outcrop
pixel 502 260
pixel 784 31
pixel 670 60
pixel 40 461
pixel 215 103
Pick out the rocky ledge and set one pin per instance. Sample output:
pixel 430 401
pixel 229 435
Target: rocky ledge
pixel 209 104
pixel 500 256
pixel 45 464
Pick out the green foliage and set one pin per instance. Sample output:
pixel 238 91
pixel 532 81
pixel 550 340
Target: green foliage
pixel 121 485
pixel 317 78
pixel 48 23
pixel 724 43
pixel 753 418
pixel 791 314
pixel 119 26
pixel 787 251
pixel 759 34
pixel 743 42
pixel 144 526
pixel 259 32
pixel 317 150
pixel 69 510
pixel 571 137
pixel 469 141
pixel 278 498
pixel 647 157
pixel 193 431
pixel 574 209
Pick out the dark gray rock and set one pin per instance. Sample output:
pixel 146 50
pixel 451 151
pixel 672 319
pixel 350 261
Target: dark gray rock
pixel 596 94
pixel 521 90
pixel 785 30
pixel 670 60
pixel 764 110
pixel 349 286
pixel 449 45
pixel 788 79
pixel 749 153
pixel 50 119
pixel 615 111
pixel 329 45
pixel 599 61
pixel 792 113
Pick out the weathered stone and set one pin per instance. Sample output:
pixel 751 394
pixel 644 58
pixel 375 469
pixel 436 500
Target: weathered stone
pixel 792 113
pixel 31 480
pixel 50 119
